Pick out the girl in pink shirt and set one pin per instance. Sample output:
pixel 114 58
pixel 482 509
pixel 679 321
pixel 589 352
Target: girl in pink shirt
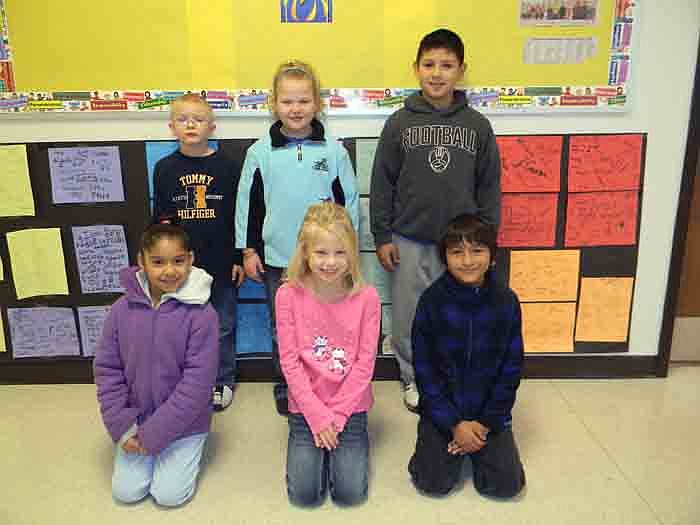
pixel 328 329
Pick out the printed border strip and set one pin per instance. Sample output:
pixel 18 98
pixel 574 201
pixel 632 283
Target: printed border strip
pixel 341 101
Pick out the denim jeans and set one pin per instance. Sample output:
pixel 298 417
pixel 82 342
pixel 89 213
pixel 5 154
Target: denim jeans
pixel 223 298
pixel 272 278
pixel 170 477
pixel 312 470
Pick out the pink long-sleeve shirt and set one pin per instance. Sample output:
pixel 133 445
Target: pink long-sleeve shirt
pixel 327 353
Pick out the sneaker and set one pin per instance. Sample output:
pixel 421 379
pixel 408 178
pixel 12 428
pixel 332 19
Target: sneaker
pixel 411 398
pixel 222 397
pixel 280 393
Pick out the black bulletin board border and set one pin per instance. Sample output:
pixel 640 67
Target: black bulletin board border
pixel 134 215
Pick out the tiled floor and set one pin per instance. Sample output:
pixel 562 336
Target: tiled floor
pixel 595 452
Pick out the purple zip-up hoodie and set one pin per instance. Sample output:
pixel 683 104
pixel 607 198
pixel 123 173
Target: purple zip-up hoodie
pixel 156 367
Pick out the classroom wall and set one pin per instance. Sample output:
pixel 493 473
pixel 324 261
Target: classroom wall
pixel 665 48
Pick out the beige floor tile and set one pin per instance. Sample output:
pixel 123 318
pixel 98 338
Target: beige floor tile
pixel 57 462
pixel 650 429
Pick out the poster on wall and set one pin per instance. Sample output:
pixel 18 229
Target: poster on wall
pixel 559 12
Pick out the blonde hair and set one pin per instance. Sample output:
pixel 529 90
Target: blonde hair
pixel 194 99
pixel 330 218
pixel 298 70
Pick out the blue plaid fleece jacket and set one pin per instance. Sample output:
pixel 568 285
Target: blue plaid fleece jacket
pixel 467 352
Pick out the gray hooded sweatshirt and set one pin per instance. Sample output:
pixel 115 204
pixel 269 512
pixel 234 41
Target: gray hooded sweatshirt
pixel 432 165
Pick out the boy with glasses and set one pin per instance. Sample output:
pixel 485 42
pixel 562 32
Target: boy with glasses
pixel 198 185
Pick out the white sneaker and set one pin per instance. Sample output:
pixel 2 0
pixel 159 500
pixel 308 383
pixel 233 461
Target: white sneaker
pixel 222 397
pixel 411 397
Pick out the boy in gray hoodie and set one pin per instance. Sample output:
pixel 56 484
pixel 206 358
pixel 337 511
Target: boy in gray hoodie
pixel 436 159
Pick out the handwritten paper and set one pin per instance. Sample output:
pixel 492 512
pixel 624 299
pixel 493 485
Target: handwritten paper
pixel 101 253
pixel 36 259
pixel 366 239
pixel 528 219
pixel 545 275
pixel 16 198
pixel 376 276
pixel 365 149
pixel 604 309
pixel 605 162
pixel 86 175
pixel 548 327
pixel 530 163
pixel 601 219
pixel 43 332
pixel 91 320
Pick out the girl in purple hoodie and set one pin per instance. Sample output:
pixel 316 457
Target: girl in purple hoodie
pixel 155 370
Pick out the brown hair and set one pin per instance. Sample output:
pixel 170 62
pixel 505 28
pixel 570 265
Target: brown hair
pixel 157 232
pixel 468 228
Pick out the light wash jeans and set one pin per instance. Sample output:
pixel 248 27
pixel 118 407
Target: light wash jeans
pixel 343 472
pixel 170 477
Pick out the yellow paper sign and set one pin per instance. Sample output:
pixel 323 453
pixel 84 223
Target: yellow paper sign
pixel 38 266
pixel 545 275
pixel 604 310
pixel 3 348
pixel 548 327
pixel 16 197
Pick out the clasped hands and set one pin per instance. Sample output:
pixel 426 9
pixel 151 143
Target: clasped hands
pixel 467 437
pixel 327 438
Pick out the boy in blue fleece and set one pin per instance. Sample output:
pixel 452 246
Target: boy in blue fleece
pixel 468 356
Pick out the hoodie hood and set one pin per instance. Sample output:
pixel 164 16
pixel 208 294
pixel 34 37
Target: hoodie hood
pixel 195 290
pixel 418 104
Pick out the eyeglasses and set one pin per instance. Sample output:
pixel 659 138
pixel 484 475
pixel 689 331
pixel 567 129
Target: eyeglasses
pixel 195 120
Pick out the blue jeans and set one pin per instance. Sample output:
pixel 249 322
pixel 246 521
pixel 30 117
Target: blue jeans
pixel 272 279
pixel 170 477
pixel 224 299
pixel 312 470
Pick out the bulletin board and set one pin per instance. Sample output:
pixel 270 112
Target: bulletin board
pixel 71 215
pixel 543 55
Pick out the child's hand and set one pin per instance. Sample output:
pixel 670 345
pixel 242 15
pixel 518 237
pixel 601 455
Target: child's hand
pixel 454 449
pixel 388 255
pixel 237 275
pixel 469 436
pixel 327 438
pixel 253 266
pixel 133 446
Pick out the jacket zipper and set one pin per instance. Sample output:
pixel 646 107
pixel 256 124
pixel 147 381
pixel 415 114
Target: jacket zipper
pixel 154 356
pixel 466 363
pixel 299 155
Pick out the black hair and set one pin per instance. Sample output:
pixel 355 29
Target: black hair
pixel 468 228
pixel 442 39
pixel 166 227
